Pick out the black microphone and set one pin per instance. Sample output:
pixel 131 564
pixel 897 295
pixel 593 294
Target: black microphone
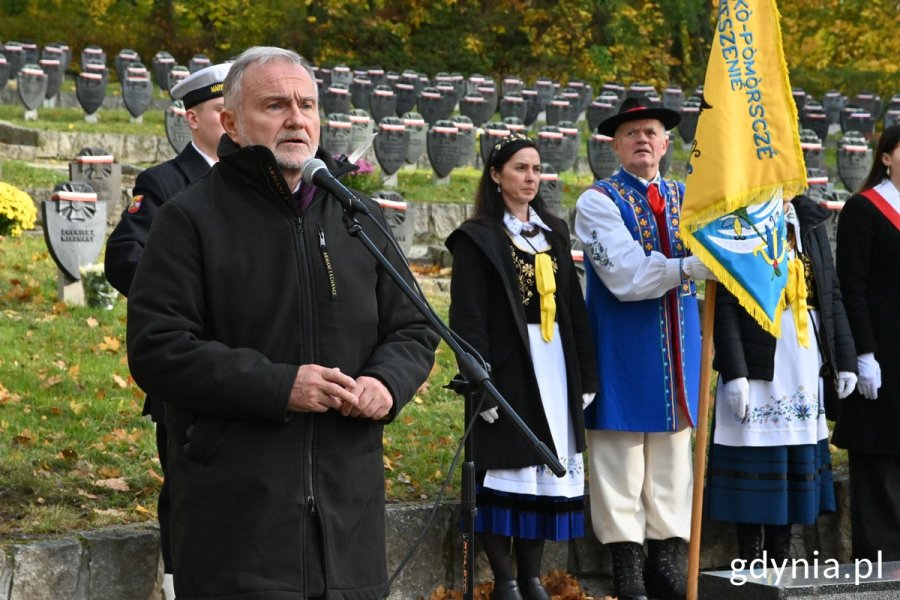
pixel 314 171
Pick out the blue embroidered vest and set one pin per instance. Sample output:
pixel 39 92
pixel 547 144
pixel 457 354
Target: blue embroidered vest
pixel 636 342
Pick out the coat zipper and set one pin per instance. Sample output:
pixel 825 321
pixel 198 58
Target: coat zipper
pixel 326 259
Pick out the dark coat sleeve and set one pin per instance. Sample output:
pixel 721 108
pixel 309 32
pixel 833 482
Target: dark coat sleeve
pixel 730 361
pixel 854 255
pixel 581 329
pixel 841 341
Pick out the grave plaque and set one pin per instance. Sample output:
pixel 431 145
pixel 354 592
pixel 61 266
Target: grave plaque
pixel 601 109
pixel 673 98
pixel 491 133
pixel 601 157
pixel 361 128
pixel 95 66
pixel 814 118
pixel 614 87
pixel 558 109
pixel 450 98
pixel 551 190
pixel 137 90
pixel 442 143
pixel 383 103
pixel 360 91
pixel 53 67
pixel 391 145
pixel 870 103
pixel 32 82
pixel 833 102
pixel 474 106
pixel 666 161
pixel 176 74
pixel 97 168
pixel 399 216
pixel 813 152
pixel 584 92
pixel 376 76
pixel 513 105
pixel 416 128
pixel 93 54
pixel 690 114
pixel 573 96
pixel 342 74
pixel 544 88
pixel 406 96
pixel 4 71
pixel 515 125
pixel 551 146
pixel 391 78
pixel 414 79
pixel 336 99
pixel 90 89
pixel 854 159
pixel 799 97
pixel 30 50
pixel 472 83
pixel 197 62
pixel 57 51
pixel 323 76
pixel 511 85
pixel 177 129
pixel 490 95
pixel 571 142
pixel 15 56
pixel 861 121
pixel 124 58
pixel 639 90
pixel 817 180
pixel 431 105
pixel 466 140
pixel 335 134
pixel 74 226
pixel 162 64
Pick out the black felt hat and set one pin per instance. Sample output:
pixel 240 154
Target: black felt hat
pixel 635 109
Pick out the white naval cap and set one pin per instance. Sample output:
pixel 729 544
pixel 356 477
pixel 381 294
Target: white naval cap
pixel 202 85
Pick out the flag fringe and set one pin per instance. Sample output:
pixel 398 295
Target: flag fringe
pixel 764 193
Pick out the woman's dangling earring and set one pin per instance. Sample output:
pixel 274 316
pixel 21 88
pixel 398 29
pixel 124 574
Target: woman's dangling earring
pixel 888 169
pixel 501 193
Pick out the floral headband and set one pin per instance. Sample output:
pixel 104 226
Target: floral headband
pixel 508 146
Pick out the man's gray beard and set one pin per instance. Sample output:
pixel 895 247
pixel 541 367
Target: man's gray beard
pixel 281 161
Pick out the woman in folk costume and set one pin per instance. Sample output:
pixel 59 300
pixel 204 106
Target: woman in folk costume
pixel 516 298
pixel 868 264
pixel 770 464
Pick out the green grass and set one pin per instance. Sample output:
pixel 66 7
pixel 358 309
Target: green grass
pixel 74 450
pixel 72 119
pixel 24 175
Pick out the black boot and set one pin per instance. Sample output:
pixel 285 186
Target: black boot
pixel 665 573
pixel 778 544
pixel 749 538
pixel 506 590
pixel 628 570
pixel 532 589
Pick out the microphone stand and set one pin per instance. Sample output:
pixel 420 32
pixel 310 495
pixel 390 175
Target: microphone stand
pixel 471 379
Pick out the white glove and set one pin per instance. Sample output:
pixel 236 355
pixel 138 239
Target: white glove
pixel 490 415
pixel 696 270
pixel 737 394
pixel 844 384
pixel 586 399
pixel 869 375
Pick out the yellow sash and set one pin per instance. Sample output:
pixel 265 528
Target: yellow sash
pixel 546 287
pixel 796 296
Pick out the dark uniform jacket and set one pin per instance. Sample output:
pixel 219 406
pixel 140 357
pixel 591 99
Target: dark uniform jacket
pixel 744 349
pixel 486 310
pixel 152 188
pixel 236 289
pixel 868 264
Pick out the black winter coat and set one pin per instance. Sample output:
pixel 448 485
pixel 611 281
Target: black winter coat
pixel 234 291
pixel 486 310
pixel 744 349
pixel 868 263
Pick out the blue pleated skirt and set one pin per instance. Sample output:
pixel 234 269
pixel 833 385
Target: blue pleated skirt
pixel 774 485
pixel 527 516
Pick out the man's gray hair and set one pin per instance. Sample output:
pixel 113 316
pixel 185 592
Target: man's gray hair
pixel 260 55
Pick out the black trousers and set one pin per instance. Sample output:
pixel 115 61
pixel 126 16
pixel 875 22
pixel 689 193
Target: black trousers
pixel 164 504
pixel 875 506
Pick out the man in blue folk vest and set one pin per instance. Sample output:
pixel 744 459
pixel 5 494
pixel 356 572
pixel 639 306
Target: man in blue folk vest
pixel 643 310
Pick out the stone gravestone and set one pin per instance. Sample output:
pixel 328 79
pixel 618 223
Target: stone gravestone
pixel 551 190
pixel 53 67
pixel 571 144
pixel 544 88
pixel 97 168
pixel 891 118
pixel 690 114
pixel 335 134
pixel 383 103
pixel 75 231
pixel 92 53
pixel 442 144
pixel 465 141
pixel 90 89
pixel 176 74
pixel 666 160
pixel 488 91
pixel 585 93
pixel 511 85
pixel 415 126
pixel 854 159
pixel 551 146
pixel 532 108
pixel 515 125
pixel 197 62
pixel 336 99
pixel 871 103
pixel 124 58
pixel 602 107
pixel 813 152
pixel 30 50
pixel 673 98
pixel 32 82
pixel 15 56
pixel 833 102
pixel 4 71
pixel 817 180
pixel 449 98
pixel 391 145
pixel 616 88
pixel 813 118
pixel 472 83
pixel 491 133
pixel 573 96
pixel 360 91
pixel 178 131
pixel 639 90
pixel 161 65
pixel 137 91
pixel 376 75
pixel 862 121
pixel 342 74
pixel 399 216
pixel 601 157
pixel 559 109
pixel 406 97
pixel 430 104
pixel 513 105
pixel 361 128
pixel 474 106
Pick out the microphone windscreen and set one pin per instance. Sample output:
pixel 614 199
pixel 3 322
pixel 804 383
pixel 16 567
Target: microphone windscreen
pixel 309 167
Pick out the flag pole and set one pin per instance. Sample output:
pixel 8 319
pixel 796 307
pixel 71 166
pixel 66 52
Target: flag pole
pixel 701 440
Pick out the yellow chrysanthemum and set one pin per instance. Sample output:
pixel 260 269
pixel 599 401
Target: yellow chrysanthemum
pixel 17 211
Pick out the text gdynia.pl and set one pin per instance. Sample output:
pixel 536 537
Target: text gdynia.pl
pixel 762 568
